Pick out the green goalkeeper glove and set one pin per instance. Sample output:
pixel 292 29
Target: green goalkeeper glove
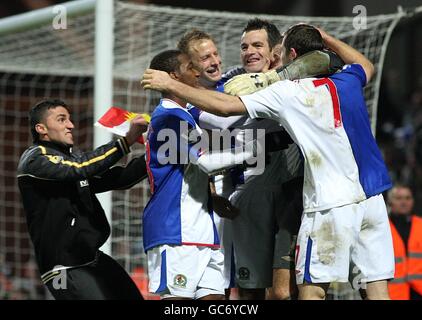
pixel 308 65
pixel 311 64
pixel 250 82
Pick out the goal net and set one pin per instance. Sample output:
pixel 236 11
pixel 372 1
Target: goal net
pixel 44 62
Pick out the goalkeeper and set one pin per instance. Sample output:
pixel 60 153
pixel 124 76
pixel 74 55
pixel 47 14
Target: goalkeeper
pixel 311 64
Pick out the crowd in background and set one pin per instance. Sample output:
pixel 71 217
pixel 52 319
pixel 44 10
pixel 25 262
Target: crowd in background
pixel 399 133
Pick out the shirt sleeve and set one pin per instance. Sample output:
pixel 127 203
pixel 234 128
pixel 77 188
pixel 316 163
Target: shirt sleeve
pixel 271 102
pixel 211 121
pixel 188 135
pixel 119 177
pixel 356 70
pixel 41 163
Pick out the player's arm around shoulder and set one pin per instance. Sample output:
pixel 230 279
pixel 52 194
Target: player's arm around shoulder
pixel 206 100
pixel 348 54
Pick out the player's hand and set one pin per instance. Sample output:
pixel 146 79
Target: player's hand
pixel 138 126
pixel 224 208
pixel 249 83
pixel 156 80
pixel 324 35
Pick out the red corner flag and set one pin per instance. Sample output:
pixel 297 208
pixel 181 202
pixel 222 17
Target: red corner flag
pixel 117 121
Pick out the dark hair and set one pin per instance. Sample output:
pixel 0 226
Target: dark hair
pixel 303 38
pixel 274 36
pixel 166 61
pixel 37 114
pixel 190 36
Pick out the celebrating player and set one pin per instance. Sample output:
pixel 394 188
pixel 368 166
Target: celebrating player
pixel 345 218
pixel 66 222
pixel 268 261
pixel 180 237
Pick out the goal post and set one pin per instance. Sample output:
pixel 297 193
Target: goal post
pixel 38 61
pixel 39 17
pixel 103 87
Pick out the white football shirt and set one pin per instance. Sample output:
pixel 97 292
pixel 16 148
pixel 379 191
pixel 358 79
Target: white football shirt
pixel 328 119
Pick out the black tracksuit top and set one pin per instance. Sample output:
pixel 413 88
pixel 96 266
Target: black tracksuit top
pixel 66 222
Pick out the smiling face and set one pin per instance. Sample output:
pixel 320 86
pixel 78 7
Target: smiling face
pixel 56 126
pixel 207 61
pixel 255 51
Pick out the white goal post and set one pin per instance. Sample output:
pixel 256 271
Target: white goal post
pixel 97 60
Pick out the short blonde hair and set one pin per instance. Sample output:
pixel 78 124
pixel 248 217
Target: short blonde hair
pixel 191 36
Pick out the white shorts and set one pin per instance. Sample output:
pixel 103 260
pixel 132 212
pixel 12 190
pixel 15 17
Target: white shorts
pixel 331 241
pixel 185 271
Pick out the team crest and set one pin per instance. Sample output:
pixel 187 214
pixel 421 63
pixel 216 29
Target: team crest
pixel 244 273
pixel 180 281
pixel 258 81
pixel 84 183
